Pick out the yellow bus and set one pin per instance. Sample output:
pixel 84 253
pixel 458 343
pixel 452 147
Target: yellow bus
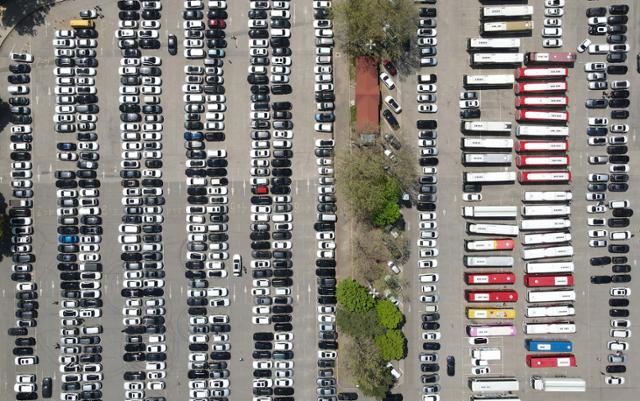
pixel 492 313
pixel 82 23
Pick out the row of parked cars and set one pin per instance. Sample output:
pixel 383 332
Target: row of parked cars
pixel 552 30
pixel 602 131
pixel 269 71
pixel 21 223
pixel 140 231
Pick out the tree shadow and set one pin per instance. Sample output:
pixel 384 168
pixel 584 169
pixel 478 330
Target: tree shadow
pixel 5 230
pixel 5 115
pixel 25 15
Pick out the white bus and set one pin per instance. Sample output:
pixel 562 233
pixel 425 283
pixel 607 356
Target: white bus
pixel 494 384
pixel 503 127
pixel 550 252
pixel 493 80
pixel 544 224
pixel 550 311
pixel 490 176
pixel 507 11
pixel 497 58
pixel 546 210
pixel 542 130
pixel 560 384
pixel 550 328
pixel 488 261
pixel 547 196
pixel 504 212
pixel 508 27
pixel 493 398
pixel 548 238
pixel 551 296
pixel 488 143
pixel 493 229
pixel 487 354
pixel 494 43
pixel 487 158
pixel 555 267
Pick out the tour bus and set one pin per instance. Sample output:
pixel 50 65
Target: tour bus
pixel 541 101
pixel 558 384
pixel 490 278
pixel 487 143
pixel 548 280
pixel 547 196
pixel 545 268
pixel 480 59
pixel 545 210
pixel 490 177
pixel 491 313
pixel 487 158
pixel 546 238
pixel 542 115
pixel 491 296
pixel 490 245
pixel 550 311
pixel 489 81
pixel 538 87
pixel 493 43
pixel 488 212
pixel 567 58
pixel 544 224
pixel 506 27
pixel 549 346
pixel 544 177
pixel 541 73
pixel 551 361
pixel 488 261
pixel 491 330
pixel 550 328
pixel 507 12
pixel 493 229
pixel 541 146
pixel 494 384
pixel 551 296
pixel 542 130
pixel 548 252
pixel 502 127
pixel 542 161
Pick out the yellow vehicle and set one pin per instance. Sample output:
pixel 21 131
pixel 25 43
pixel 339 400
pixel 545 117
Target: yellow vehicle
pixel 491 313
pixel 82 23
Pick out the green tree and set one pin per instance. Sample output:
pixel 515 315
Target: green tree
pixel 359 325
pixel 367 367
pixel 353 296
pixel 376 28
pixel 389 214
pixel 392 345
pixel 389 314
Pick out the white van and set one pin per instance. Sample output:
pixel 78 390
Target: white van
pixel 394 372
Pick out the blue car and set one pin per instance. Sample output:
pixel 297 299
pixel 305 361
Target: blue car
pixel 325 117
pixel 68 239
pixel 193 136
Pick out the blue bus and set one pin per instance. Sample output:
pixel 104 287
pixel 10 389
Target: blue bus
pixel 549 346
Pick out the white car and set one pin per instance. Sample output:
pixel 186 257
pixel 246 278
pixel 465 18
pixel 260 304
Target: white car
pixel 427 263
pixel 617 345
pixel 551 32
pixel 552 43
pixel 471 197
pixel 620 235
pixel 597 243
pixel 387 81
pixel 553 22
pixel 619 128
pixel 620 292
pixel 427 108
pixel 422 243
pixel 596 209
pixel 428 278
pixel 260 320
pixel 598 121
pixel 597 233
pixel 591 67
pixel 469 104
pixel 598 49
pixel 393 104
pixel 553 12
pixel 620 323
pixel 614 380
pixel 483 370
pixel 427 88
pixel 620 333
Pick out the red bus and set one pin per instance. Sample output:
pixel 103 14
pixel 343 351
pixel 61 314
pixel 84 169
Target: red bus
pixel 541 101
pixel 551 361
pixel 542 116
pixel 544 177
pixel 492 296
pixel 542 161
pixel 548 280
pixel 541 146
pixel 550 58
pixel 541 73
pixel 536 87
pixel 490 278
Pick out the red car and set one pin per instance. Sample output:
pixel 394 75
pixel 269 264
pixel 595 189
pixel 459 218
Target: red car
pixel 260 190
pixel 217 23
pixel 388 65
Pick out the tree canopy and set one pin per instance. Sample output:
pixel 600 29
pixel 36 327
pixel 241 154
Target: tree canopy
pixel 367 367
pixel 392 345
pixel 389 314
pixel 353 296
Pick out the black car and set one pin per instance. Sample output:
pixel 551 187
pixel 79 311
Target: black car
pixel 430 367
pixel 619 103
pixel 451 365
pixel 597 131
pixel 596 12
pixel 390 119
pixel 596 103
pixel 619 94
pixel 600 261
pixel 619 302
pixel 616 39
pixel 621 268
pixel 616 57
pixel 600 279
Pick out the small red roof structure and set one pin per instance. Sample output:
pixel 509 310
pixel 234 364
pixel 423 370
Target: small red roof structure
pixel 367 96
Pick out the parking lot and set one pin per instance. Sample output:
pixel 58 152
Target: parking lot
pixel 231 296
